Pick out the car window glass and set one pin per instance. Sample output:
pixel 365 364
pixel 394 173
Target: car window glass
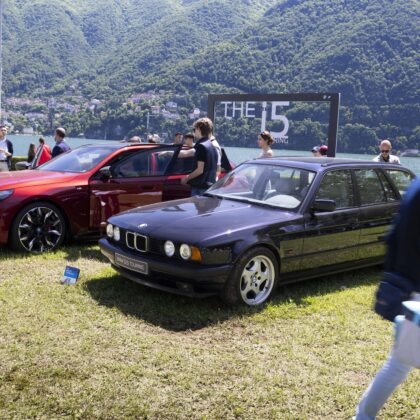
pixel 80 160
pixel 389 192
pixel 184 164
pixel 145 163
pixel 269 184
pixel 370 187
pixel 337 186
pixel 401 179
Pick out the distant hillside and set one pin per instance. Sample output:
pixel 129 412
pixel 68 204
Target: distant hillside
pixel 365 49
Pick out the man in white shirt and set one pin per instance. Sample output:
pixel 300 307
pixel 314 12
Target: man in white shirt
pixel 6 150
pixel 385 155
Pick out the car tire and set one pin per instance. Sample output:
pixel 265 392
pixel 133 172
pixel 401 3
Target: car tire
pixel 253 279
pixel 37 228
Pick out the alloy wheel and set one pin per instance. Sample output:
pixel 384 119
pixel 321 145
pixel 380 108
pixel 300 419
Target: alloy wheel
pixel 257 280
pixel 40 229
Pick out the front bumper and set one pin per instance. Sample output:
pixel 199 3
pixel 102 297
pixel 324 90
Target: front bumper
pixel 184 278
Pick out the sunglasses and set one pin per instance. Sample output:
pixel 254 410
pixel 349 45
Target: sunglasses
pixel 385 151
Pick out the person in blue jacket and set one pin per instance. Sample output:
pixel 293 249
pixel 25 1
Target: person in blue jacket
pixel 403 263
pixel 60 144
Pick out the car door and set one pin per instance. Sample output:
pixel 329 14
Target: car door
pixel 181 165
pixel 136 180
pixel 379 203
pixel 332 237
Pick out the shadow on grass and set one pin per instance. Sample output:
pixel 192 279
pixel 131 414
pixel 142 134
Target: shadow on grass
pixel 178 313
pixel 76 251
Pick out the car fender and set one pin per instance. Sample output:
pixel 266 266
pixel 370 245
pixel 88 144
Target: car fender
pixel 241 247
pixel 33 200
pixel 71 226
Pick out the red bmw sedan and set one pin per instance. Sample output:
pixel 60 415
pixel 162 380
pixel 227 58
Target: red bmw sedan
pixel 72 195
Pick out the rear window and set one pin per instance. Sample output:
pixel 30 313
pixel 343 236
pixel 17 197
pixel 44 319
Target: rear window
pixel 370 187
pixel 337 185
pixel 401 179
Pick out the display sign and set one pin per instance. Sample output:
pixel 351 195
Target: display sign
pixel 296 121
pixel 71 274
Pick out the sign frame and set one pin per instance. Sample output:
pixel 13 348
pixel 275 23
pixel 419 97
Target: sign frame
pixel 333 98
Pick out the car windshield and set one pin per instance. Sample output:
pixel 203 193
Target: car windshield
pixel 79 160
pixel 274 185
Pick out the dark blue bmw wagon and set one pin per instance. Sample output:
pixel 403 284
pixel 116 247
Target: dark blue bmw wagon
pixel 268 222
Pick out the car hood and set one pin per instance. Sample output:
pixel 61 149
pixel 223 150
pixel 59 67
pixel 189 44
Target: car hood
pixel 199 218
pixel 17 179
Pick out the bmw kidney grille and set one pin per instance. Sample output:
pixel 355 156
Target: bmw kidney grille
pixel 136 241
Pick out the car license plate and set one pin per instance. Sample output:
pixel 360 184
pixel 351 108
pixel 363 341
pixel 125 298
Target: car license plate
pixel 131 264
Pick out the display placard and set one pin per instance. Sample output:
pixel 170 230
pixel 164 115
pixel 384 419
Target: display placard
pixel 70 276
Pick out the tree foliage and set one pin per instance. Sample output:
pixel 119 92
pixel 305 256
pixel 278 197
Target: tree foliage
pixel 365 49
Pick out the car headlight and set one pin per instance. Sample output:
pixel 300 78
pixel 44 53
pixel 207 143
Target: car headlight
pixel 169 248
pixel 5 194
pixel 188 252
pixel 117 233
pixel 109 230
pixel 185 251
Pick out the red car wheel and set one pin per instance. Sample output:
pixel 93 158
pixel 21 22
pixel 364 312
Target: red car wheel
pixel 38 227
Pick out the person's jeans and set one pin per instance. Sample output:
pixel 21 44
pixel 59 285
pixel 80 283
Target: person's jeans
pixel 383 385
pixel 197 191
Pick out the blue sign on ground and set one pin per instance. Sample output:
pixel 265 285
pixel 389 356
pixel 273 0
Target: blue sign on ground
pixel 71 274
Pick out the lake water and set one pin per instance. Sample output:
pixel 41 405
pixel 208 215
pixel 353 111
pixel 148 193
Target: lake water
pixel 236 154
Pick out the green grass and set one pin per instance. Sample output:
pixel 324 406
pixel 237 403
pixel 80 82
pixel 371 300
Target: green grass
pixel 109 348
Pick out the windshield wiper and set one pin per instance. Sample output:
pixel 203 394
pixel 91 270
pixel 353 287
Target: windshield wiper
pixel 257 202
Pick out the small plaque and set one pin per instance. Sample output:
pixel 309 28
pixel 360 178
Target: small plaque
pixel 71 274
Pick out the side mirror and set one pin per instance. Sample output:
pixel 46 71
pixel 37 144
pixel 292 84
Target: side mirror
pixel 105 173
pixel 323 205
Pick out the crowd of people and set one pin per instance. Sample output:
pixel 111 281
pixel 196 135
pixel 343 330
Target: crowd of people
pixel 42 153
pixel 37 155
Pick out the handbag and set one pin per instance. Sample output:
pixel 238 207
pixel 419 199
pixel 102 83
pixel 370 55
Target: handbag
pixel 407 344
pixel 392 291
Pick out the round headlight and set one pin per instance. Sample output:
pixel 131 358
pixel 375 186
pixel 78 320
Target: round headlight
pixel 185 251
pixel 109 230
pixel 169 248
pixel 116 233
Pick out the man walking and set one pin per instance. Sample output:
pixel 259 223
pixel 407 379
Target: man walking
pixel 60 144
pixel 403 260
pixel 6 150
pixel 205 164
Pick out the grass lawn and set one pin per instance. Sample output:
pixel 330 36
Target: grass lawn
pixel 109 348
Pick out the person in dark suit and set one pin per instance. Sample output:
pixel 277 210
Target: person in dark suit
pixel 60 144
